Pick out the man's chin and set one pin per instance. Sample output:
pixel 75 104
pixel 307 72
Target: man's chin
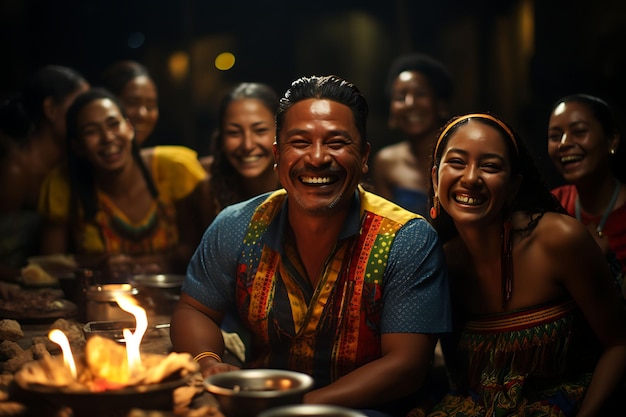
pixel 318 207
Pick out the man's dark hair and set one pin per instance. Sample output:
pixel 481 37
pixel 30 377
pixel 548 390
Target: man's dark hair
pixel 329 87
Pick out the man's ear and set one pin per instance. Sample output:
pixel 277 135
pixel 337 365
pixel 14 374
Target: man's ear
pixel 365 157
pixel 275 152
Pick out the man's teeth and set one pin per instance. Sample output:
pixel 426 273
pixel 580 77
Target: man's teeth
pixel 467 200
pixel 316 180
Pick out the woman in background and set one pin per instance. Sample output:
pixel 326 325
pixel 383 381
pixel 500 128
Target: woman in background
pixel 241 164
pixel 584 146
pixel 135 88
pixel 131 82
pixel 419 89
pixel 116 208
pixel 32 143
pixel 539 328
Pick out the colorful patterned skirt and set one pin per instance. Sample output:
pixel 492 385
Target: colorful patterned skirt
pixel 530 362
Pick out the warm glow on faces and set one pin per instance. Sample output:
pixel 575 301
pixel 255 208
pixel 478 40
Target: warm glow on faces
pixel 577 143
pixel 104 135
pixel 319 158
pixel 248 132
pixel 414 106
pixel 473 176
pixel 140 100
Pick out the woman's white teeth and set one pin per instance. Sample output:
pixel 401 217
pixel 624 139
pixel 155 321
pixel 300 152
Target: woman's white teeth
pixel 315 180
pixel 467 200
pixel 249 159
pixel 571 158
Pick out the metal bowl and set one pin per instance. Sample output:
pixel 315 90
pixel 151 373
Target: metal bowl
pixel 164 281
pixel 248 392
pixel 159 293
pixel 111 329
pixel 311 410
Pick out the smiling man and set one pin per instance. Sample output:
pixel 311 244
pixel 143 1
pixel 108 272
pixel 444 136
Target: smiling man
pixel 329 279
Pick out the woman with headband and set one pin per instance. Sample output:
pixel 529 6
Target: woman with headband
pixel 539 328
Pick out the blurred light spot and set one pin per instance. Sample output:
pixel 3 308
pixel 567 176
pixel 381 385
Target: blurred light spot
pixel 136 40
pixel 224 61
pixel 178 65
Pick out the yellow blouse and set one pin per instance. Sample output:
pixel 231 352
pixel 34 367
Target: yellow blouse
pixel 176 172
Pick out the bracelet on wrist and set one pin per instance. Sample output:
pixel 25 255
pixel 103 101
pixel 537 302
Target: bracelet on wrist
pixel 203 355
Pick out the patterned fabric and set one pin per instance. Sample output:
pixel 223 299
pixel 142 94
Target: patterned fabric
pixel 530 362
pixel 351 284
pixel 385 274
pixel 176 173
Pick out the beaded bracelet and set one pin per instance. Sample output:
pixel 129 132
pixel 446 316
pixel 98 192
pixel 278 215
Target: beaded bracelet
pixel 203 355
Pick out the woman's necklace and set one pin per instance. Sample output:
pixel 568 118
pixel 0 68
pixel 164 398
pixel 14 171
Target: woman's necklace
pixel 607 210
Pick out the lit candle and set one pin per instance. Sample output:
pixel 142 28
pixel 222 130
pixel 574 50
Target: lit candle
pixel 58 337
pixel 133 340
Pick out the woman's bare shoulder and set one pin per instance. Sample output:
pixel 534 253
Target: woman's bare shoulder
pixel 393 153
pixel 559 233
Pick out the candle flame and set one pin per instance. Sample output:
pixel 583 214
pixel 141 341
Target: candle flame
pixel 133 340
pixel 58 337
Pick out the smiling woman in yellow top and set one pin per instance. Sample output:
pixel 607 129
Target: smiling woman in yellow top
pixel 111 205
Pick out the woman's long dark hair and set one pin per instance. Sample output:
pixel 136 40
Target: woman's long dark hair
pixel 533 197
pixel 80 171
pixel 225 182
pixel 23 112
pixel 115 77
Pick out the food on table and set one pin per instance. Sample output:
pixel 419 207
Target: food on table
pixel 10 330
pixel 39 303
pixel 34 274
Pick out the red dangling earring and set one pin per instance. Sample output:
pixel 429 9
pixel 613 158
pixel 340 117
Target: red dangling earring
pixel 434 210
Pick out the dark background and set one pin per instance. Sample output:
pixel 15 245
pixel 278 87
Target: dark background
pixel 514 58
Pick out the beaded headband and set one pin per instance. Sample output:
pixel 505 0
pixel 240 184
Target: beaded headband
pixel 480 116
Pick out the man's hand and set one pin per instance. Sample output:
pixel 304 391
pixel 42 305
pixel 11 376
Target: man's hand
pixel 210 366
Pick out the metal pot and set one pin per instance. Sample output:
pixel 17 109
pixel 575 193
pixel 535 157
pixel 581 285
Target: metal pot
pixel 102 305
pixel 248 392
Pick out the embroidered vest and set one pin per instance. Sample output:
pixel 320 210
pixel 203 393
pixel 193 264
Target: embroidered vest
pixel 332 329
